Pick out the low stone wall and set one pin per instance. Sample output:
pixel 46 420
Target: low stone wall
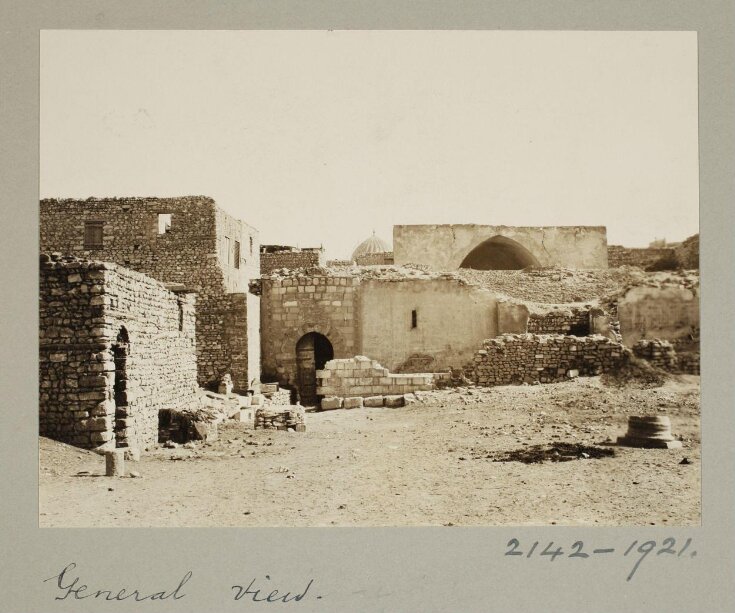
pixel 530 358
pixel 663 354
pixel 381 258
pixel 659 353
pixel 280 418
pixel 361 376
pixel 618 255
pixel 571 320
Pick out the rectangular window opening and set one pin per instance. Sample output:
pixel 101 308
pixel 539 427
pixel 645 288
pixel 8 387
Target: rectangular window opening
pixel 251 245
pixel 164 222
pixel 237 254
pixel 93 231
pixel 414 319
pixel 226 251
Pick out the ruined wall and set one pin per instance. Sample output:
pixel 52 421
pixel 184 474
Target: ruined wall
pixel 451 318
pixel 293 307
pixel 199 251
pixel 687 254
pixel 361 376
pixel 290 260
pixel 618 255
pixel 667 313
pixel 561 320
pixel 83 307
pixel 530 358
pixel 443 247
pixel 382 258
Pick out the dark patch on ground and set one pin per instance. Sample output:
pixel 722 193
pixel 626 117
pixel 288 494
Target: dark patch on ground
pixel 558 452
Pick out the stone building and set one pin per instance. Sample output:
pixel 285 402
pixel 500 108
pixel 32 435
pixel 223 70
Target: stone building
pixel 187 241
pixel 407 320
pixel 449 247
pixel 275 257
pixel 115 348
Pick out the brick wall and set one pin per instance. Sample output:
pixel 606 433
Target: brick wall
pixel 294 306
pixel 529 358
pixel 361 376
pixel 290 260
pixel 618 255
pixel 84 306
pixel 205 249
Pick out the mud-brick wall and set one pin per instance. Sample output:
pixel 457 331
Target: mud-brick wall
pixel 292 307
pixel 290 260
pixel 560 321
pixel 361 376
pixel 529 358
pixel 86 308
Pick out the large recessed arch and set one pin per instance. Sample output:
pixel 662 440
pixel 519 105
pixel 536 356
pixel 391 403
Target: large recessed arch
pixel 499 253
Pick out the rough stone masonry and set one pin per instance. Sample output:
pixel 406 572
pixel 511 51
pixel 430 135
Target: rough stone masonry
pixel 116 347
pixel 187 241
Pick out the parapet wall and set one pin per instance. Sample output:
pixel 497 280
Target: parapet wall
pixel 530 358
pixel 290 260
pixel 115 348
pixel 362 377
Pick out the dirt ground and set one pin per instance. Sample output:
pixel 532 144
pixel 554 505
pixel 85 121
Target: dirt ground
pixel 432 463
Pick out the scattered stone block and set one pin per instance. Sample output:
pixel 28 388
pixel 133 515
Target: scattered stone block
pixel 653 431
pixel 115 463
pixel 409 399
pixel 394 401
pixel 373 401
pixel 330 403
pixel 353 403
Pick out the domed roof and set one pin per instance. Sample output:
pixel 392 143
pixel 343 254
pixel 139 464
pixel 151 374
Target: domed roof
pixel 372 244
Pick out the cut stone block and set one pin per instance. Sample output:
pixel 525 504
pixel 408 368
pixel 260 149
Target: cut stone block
pixel 651 431
pixel 394 401
pixel 373 401
pixel 353 403
pixel 331 403
pixel 115 463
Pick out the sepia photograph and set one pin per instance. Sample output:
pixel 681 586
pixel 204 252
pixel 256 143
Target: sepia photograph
pixel 301 278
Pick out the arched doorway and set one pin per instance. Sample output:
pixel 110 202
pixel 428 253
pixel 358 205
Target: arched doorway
pixel 499 253
pixel 313 351
pixel 120 351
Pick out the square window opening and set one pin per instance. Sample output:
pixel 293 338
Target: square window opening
pixel 164 222
pixel 93 232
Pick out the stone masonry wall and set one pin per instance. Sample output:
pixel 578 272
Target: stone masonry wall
pixel 618 255
pixel 290 260
pixel 559 321
pixel 205 249
pixel 361 376
pixel 381 258
pixel 86 307
pixel 530 358
pixel 292 307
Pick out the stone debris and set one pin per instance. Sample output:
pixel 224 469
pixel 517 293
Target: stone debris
pixel 280 418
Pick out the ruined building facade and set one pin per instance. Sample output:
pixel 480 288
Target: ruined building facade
pixel 187 243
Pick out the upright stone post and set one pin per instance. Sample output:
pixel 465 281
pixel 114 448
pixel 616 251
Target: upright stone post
pixel 115 463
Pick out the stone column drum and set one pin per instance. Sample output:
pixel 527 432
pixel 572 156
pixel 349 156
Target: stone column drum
pixel 652 431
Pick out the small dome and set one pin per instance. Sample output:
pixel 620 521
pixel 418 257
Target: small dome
pixel 372 244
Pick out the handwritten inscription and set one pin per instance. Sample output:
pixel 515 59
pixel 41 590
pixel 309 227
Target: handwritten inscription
pixel 251 593
pixel 72 588
pixel 667 548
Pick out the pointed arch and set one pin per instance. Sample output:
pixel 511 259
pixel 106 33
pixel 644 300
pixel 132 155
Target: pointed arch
pixel 499 253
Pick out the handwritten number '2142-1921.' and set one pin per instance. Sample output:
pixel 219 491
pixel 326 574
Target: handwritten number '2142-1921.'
pixel 667 547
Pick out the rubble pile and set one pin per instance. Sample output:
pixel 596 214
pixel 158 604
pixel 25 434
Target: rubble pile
pixel 280 418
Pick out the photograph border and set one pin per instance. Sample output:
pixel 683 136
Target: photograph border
pixel 364 569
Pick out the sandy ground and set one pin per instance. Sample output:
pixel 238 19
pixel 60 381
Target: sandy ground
pixel 426 464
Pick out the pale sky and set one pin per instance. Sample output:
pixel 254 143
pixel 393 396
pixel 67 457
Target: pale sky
pixel 319 137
